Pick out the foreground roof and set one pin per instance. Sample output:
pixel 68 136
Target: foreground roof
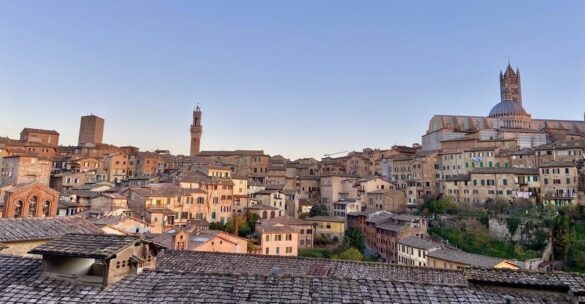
pixel 98 246
pixel 198 277
pixel 36 228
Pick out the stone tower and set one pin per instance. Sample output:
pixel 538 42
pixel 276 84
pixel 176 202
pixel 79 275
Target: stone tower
pixel 196 131
pixel 510 85
pixel 91 130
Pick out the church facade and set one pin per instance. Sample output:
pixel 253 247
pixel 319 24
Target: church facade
pixel 507 120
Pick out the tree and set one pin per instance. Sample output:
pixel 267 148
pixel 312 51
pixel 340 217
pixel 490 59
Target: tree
pixel 351 254
pixel 354 238
pixel 562 235
pixel 319 210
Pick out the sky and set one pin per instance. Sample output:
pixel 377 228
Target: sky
pixel 296 78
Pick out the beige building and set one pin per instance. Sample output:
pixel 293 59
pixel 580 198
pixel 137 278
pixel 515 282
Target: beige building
pixel 337 187
pixel 164 206
pixel 559 182
pixel 331 227
pixel 304 228
pixel 278 239
pixel 121 224
pixel 417 176
pixel 343 207
pixel 494 184
pixel 561 151
pixel 116 165
pixel 389 200
pixel 190 239
pixel 413 251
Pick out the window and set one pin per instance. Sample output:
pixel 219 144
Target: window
pixel 278 237
pixel 288 249
pixel 267 251
pixel 46 208
pixel 268 237
pixel 18 209
pixel 289 237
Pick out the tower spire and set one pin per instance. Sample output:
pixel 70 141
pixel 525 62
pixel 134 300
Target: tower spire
pixel 510 88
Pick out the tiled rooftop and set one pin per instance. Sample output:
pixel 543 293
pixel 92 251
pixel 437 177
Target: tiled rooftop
pixel 196 277
pixel 464 257
pixel 27 229
pixel 157 287
pixel 247 264
pixel 21 282
pixel 417 242
pixel 99 246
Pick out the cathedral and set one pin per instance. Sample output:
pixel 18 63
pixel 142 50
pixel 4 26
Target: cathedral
pixel 507 120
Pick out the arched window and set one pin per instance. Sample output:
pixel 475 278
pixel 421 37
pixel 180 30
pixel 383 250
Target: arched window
pixel 264 215
pixel 18 209
pixel 272 215
pixel 32 206
pixel 46 208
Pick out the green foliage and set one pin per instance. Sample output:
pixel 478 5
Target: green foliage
pixel 562 234
pixel 513 223
pixel 539 241
pixel 354 238
pixel 575 257
pixel 315 253
pixel 480 242
pixel 217 226
pixel 438 206
pixel 351 254
pixel 246 225
pixel 497 207
pixel 319 210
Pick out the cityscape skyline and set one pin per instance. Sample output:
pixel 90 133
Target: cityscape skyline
pixel 336 77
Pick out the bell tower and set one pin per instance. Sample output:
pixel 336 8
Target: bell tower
pixel 196 132
pixel 510 85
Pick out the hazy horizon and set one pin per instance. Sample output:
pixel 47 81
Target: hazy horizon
pixel 299 79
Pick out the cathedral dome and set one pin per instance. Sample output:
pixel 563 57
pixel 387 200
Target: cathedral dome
pixel 508 108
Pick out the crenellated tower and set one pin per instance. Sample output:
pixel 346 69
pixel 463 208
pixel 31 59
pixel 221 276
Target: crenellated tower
pixel 196 132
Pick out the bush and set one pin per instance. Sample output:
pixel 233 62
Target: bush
pixel 438 206
pixel 512 223
pixel 351 254
pixel 319 210
pixel 315 253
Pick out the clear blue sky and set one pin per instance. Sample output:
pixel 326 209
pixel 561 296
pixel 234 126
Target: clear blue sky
pixel 298 78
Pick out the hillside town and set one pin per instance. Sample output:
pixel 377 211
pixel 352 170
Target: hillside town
pixel 484 209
